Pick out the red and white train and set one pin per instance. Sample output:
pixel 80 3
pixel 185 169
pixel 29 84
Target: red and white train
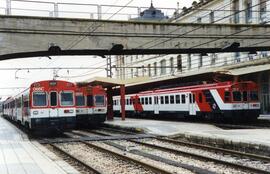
pixel 45 105
pixel 91 105
pixel 233 100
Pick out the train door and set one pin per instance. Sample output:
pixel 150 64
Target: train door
pixel 245 100
pixel 192 107
pixel 156 105
pixel 53 104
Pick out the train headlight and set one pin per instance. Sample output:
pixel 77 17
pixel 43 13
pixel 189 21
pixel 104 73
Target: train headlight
pixel 35 112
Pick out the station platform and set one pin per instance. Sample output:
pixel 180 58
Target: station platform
pixel 19 155
pixel 258 138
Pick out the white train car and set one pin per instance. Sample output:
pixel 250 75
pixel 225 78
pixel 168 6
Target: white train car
pixel 44 105
pixel 233 100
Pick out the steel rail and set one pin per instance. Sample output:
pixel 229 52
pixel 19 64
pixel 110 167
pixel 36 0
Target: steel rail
pixel 75 159
pixel 119 155
pixel 216 149
pixel 193 155
pixel 206 147
pixel 231 152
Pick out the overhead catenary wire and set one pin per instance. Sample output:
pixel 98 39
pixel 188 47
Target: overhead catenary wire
pixel 226 16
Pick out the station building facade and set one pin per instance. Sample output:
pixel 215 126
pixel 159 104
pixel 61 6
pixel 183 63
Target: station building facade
pixel 208 11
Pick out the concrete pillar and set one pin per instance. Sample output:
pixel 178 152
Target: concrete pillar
pixel 109 103
pixel 123 102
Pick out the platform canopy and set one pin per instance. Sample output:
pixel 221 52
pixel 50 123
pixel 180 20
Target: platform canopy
pixel 113 82
pixel 255 67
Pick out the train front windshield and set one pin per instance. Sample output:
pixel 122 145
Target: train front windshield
pixel 99 100
pixel 39 99
pixel 67 98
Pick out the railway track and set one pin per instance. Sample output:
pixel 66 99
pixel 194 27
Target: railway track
pixel 263 159
pixel 66 149
pixel 161 151
pixel 75 162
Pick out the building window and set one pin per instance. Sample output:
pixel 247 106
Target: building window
pixel 189 61
pixel 199 20
pixel 155 69
pixel 264 53
pixel 137 72
pixel 171 64
pixel 149 70
pixel 163 67
pixel 131 72
pixel 262 10
pixel 248 11
pixel 143 70
pixel 213 59
pixel 235 11
pixel 200 63
pixel 237 57
pixel 179 63
pixel 212 17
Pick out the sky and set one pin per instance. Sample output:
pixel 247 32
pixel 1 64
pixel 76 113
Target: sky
pixel 23 78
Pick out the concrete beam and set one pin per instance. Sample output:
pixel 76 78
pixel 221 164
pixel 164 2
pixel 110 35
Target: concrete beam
pixel 29 34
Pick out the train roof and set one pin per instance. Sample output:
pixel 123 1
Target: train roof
pixel 196 87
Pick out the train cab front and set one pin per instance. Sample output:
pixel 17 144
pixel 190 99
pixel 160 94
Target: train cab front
pixel 53 107
pixel 91 106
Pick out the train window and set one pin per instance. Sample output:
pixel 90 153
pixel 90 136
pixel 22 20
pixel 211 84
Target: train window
pixel 200 97
pixel 127 102
pixel 254 95
pixel 162 100
pixel 190 98
pixel 99 100
pixel 80 101
pixel 53 99
pixel 39 99
pixel 67 98
pixel 150 100
pixel 139 100
pixel 208 96
pixel 90 100
pixel 130 101
pixel 146 100
pixel 142 99
pixel 227 96
pixel 172 99
pixel 177 99
pixel 193 98
pixel 155 99
pixel 245 96
pixel 237 96
pixel 166 99
pixel 18 103
pixel 183 97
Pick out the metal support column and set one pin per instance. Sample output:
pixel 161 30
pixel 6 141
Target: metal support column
pixel 110 103
pixel 99 11
pixel 109 66
pixel 123 101
pixel 8 7
pixel 56 11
